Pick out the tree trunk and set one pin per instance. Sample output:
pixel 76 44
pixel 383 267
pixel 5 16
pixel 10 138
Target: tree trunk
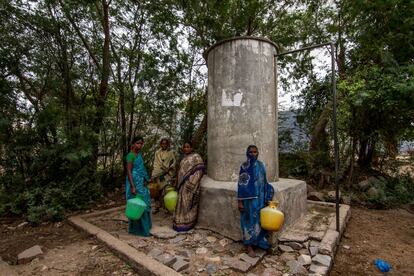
pixel 200 133
pixel 366 153
pixel 103 86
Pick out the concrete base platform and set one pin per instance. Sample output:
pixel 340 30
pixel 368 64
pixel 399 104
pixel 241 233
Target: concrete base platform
pixel 218 206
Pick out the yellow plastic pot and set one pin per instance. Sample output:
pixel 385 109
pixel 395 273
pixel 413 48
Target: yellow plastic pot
pixel 271 218
pixel 170 199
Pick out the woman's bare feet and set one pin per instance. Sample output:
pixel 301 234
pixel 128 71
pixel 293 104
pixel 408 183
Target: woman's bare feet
pixel 251 252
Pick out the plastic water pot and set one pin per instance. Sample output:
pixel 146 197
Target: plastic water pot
pixel 135 207
pixel 271 218
pixel 170 199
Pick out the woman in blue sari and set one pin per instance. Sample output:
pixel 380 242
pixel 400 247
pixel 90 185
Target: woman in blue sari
pixel 253 193
pixel 136 182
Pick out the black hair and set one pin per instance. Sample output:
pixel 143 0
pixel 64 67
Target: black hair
pixel 252 146
pixel 188 142
pixel 166 140
pixel 136 139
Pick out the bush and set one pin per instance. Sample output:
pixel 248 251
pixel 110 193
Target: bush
pixel 392 192
pixel 54 180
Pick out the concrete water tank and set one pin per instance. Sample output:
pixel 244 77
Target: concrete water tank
pixel 242 105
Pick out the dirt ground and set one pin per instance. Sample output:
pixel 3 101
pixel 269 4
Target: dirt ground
pixel 370 234
pixel 373 234
pixel 66 251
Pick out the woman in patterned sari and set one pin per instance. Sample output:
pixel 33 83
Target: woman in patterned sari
pixel 253 194
pixel 188 186
pixel 136 183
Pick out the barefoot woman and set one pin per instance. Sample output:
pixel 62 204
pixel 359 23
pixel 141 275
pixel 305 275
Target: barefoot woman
pixel 188 186
pixel 136 183
pixel 253 193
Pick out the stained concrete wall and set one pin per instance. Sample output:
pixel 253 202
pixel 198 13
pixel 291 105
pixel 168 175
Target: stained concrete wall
pixel 218 205
pixel 242 106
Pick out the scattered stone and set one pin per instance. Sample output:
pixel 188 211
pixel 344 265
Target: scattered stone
pixel 224 267
pixel 219 249
pixel 211 269
pixel 363 185
pixel 239 266
pixel 317 269
pixel 201 269
pixel 166 259
pixel 29 254
pixel 314 243
pixel 304 260
pixel 317 235
pixel 324 260
pixel 304 251
pixel 271 259
pixel 313 250
pixel 331 196
pixel 315 196
pixel 227 259
pixel 216 259
pixel 346 200
pixel 138 244
pixel 34 261
pixel 288 256
pixel 163 232
pixel 197 237
pixel 267 265
pixel 373 192
pixel 201 250
pixel 184 253
pixel 271 272
pixel 347 247
pixel 288 236
pixel 224 242
pixel 154 252
pixel 235 248
pixel 58 225
pixel 296 268
pixel 180 264
pixel 22 224
pixel 248 259
pixel 44 268
pixel 285 248
pixel 294 245
pixel 260 253
pixel 211 239
pixel 251 274
pixel 178 239
pixel 94 247
pixel 329 242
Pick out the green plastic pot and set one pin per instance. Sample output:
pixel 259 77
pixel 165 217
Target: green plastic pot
pixel 135 207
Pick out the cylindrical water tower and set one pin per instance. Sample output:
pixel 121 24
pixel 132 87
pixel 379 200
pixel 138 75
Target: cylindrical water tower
pixel 242 105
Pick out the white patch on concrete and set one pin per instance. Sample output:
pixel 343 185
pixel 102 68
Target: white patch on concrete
pixel 269 109
pixel 231 98
pixel 255 47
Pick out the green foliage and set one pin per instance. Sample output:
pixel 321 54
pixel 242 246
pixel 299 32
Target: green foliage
pixel 64 130
pixel 393 191
pixel 294 164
